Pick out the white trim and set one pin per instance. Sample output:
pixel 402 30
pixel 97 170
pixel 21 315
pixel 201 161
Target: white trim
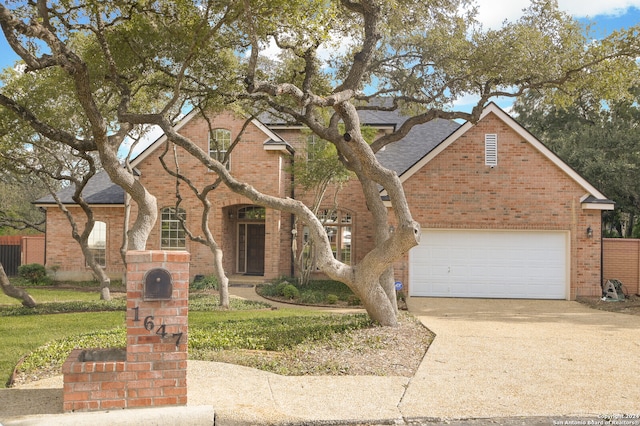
pixel 266 130
pixel 158 142
pixel 287 126
pixel 282 147
pixel 53 204
pixel 596 206
pixel 187 118
pixel 521 131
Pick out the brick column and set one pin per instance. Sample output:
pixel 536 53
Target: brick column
pixel 157 330
pixel 153 370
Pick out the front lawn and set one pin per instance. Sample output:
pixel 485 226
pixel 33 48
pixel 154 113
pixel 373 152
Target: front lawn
pixel 248 326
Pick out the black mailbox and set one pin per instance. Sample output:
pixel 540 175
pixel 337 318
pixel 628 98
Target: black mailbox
pixel 158 284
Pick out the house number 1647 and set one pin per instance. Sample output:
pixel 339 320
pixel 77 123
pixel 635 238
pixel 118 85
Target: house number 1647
pixel 149 326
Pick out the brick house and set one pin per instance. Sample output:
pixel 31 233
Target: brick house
pixel 502 216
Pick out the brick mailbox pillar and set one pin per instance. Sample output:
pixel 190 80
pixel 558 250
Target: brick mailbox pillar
pixel 152 371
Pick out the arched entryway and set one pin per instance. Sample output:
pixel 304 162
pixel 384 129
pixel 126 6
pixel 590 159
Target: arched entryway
pixel 250 240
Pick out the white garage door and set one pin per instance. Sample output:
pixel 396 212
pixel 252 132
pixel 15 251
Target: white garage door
pixel 491 264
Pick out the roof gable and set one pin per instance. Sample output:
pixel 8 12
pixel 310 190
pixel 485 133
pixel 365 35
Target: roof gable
pixel 271 138
pixel 591 192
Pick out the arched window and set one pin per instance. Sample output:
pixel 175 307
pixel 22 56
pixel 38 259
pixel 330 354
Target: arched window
pixel 337 225
pixel 97 243
pixel 252 213
pixel 172 234
pixel 219 144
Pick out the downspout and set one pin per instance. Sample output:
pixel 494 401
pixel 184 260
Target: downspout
pixel 293 218
pixel 601 251
pixel 45 235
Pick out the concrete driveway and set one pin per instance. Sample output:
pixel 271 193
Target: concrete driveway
pixel 501 358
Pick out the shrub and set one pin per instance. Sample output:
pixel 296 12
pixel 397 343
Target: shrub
pixel 290 292
pixel 209 282
pixel 311 297
pixel 332 299
pixel 34 273
pixel 353 300
pixel 279 288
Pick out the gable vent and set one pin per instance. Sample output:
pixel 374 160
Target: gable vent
pixel 491 149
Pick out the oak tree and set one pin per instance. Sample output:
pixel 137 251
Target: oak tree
pixel 130 63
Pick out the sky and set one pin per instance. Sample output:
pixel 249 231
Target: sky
pixel 605 15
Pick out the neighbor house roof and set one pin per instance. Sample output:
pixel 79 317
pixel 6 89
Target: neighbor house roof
pixel 99 190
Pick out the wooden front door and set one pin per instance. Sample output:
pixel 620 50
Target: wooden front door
pixel 251 250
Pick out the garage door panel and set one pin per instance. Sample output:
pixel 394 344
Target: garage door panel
pixel 503 264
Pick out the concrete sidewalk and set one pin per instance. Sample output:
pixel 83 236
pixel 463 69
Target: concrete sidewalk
pixel 498 359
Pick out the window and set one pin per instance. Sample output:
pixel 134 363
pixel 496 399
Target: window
pixel 97 243
pixel 337 225
pixel 491 150
pixel 313 146
pixel 172 234
pixel 252 213
pixel 219 144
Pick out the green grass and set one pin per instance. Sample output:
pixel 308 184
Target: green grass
pixel 22 334
pixel 49 338
pixel 42 295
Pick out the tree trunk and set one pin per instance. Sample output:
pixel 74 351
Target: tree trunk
pixel 16 293
pixel 125 239
pixel 146 202
pixel 382 233
pixel 105 281
pixel 375 300
pixel 387 281
pixel 223 281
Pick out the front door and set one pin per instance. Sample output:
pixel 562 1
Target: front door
pixel 251 250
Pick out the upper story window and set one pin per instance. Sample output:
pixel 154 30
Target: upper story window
pixel 173 235
pixel 219 144
pixel 97 243
pixel 314 144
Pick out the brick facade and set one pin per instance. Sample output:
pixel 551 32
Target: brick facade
pixel 454 190
pixel 525 191
pixel 264 170
pixel 63 254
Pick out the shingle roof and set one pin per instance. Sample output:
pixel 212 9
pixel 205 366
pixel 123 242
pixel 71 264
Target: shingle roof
pixel 401 155
pixel 99 190
pixel 398 156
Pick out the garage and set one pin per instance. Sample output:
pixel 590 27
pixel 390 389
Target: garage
pixel 490 264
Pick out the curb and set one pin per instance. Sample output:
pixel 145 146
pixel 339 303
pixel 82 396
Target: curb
pixel 199 415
